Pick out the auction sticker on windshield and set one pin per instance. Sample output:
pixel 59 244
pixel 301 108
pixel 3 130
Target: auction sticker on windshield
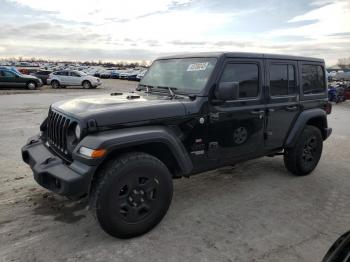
pixel 198 66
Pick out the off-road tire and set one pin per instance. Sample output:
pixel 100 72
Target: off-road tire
pixel 86 84
pixel 303 158
pixel 31 85
pixel 110 197
pixel 55 84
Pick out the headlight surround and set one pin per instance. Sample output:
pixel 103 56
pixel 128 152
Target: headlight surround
pixel 77 132
pixel 74 135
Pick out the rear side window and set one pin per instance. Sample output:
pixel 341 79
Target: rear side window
pixel 74 74
pixel 7 74
pixel 61 73
pixel 282 79
pixel 44 72
pixel 313 79
pixel 247 75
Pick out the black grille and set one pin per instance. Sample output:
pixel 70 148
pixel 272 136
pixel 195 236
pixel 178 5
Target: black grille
pixel 57 130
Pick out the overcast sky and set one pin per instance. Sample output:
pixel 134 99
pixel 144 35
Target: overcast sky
pixel 142 30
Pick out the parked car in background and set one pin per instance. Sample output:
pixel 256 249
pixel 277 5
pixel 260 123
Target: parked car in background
pixel 126 73
pixel 72 78
pixel 27 71
pixel 133 75
pixel 107 73
pixel 12 78
pixel 342 76
pixel 43 75
pixel 141 75
pixel 115 74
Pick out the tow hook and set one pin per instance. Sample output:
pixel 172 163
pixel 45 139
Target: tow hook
pixel 47 160
pixel 32 141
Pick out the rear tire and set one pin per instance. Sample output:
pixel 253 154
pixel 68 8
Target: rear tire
pixel 303 158
pixel 55 84
pixel 131 195
pixel 31 85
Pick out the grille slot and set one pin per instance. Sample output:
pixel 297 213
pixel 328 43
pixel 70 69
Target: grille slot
pixel 57 131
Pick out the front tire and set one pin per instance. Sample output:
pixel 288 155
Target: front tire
pixel 31 85
pixel 86 84
pixel 303 158
pixel 132 195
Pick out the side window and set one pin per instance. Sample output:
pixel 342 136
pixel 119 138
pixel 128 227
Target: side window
pixel 1 73
pixel 7 74
pixel 313 79
pixel 247 75
pixel 74 74
pixel 282 79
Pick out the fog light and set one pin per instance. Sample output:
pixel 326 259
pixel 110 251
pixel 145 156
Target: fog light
pixel 93 153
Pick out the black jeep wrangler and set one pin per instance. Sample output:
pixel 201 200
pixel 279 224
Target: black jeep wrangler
pixel 190 113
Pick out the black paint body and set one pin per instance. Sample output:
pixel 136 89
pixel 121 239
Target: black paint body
pixel 190 133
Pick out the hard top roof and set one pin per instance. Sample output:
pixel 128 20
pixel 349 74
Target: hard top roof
pixel 243 55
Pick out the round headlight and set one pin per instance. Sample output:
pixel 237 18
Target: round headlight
pixel 77 132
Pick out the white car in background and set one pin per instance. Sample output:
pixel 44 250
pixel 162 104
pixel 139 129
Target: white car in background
pixel 342 76
pixel 141 74
pixel 72 78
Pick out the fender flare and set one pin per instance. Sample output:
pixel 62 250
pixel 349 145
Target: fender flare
pixel 301 121
pixel 128 137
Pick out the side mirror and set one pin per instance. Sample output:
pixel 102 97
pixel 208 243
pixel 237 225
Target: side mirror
pixel 227 91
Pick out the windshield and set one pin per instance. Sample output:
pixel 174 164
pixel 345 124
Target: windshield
pixel 188 75
pixel 81 73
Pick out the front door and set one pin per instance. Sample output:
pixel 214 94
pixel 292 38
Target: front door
pixel 236 128
pixel 74 78
pixel 282 100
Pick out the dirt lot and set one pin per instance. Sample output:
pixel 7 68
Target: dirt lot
pixel 254 211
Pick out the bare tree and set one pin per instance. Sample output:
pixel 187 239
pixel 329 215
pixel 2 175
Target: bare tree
pixel 344 62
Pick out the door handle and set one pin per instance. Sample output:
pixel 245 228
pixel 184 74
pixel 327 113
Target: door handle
pixel 257 112
pixel 291 108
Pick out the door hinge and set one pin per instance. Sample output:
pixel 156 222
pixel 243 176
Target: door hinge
pixel 267 134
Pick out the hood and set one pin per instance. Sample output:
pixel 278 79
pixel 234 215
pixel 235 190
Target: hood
pixel 118 108
pixel 29 76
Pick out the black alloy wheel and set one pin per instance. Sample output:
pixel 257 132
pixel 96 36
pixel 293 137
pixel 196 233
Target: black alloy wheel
pixel 131 195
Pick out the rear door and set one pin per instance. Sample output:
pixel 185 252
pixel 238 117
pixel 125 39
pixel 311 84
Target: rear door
pixel 282 103
pixel 236 129
pixel 10 79
pixel 64 77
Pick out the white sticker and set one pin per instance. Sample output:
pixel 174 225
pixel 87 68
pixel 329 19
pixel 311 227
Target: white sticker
pixel 197 66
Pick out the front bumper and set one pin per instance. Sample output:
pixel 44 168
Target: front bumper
pixel 97 83
pixel 327 132
pixel 72 180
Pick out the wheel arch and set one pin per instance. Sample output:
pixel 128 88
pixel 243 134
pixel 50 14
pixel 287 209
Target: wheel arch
pixel 85 80
pixel 158 141
pixel 314 117
pixel 31 81
pixel 55 80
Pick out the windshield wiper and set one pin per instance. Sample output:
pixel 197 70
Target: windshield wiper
pixel 170 89
pixel 148 88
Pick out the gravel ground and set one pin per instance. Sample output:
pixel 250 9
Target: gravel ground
pixel 255 211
